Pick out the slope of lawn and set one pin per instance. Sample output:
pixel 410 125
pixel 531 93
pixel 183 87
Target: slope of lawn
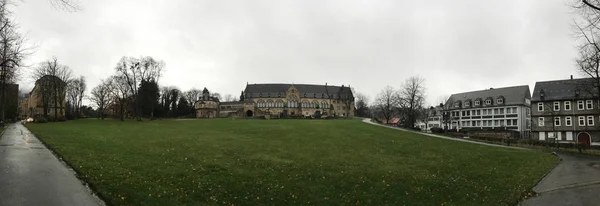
pixel 277 162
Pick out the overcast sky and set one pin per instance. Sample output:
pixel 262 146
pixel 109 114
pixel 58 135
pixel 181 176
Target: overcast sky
pixel 457 46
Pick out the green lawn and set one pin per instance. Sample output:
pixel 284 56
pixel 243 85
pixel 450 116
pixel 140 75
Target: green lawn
pixel 277 162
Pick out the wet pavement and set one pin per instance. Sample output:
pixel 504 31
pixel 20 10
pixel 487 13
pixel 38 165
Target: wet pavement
pixel 575 181
pixel 31 175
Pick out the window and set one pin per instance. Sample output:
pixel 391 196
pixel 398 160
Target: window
pixel 501 110
pixel 496 111
pixel 478 112
pixel 468 113
pixel 485 123
pixel 477 102
pixel 496 123
pixel 580 105
pixel 567 105
pixel 467 103
pixel 567 121
pixel 488 101
pixel 485 112
pixel 556 106
pixel 511 122
pixel 456 104
pixel 581 121
pixel 541 121
pixel 589 104
pixel 500 101
pixel 540 106
pixel 590 121
pixel 528 112
pixel 464 113
pixel 556 121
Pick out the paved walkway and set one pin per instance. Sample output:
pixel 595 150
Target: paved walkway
pixel 368 121
pixel 31 175
pixel 575 181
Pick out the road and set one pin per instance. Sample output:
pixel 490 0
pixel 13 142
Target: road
pixel 575 181
pixel 32 175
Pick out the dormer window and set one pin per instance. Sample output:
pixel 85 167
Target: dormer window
pixel 488 102
pixel 467 103
pixel 456 104
pixel 500 101
pixel 477 102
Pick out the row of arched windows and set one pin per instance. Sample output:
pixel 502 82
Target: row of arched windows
pixel 291 104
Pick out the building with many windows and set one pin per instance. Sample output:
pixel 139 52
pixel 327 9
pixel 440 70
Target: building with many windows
pixel 280 101
pixel 566 111
pixel 505 108
pixel 298 100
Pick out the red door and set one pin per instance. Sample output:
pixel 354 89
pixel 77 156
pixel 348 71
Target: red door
pixel 584 138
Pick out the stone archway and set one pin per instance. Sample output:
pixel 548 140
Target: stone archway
pixel 249 113
pixel 584 138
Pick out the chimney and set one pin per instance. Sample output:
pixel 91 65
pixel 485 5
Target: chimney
pixel 571 76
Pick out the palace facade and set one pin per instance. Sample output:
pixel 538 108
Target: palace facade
pixel 282 101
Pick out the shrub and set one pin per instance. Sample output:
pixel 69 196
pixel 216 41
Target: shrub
pixel 437 130
pixel 41 120
pixel 61 119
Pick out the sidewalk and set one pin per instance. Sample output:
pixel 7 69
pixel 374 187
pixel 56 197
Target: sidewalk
pixel 31 175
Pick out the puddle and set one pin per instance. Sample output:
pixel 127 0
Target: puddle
pixel 594 165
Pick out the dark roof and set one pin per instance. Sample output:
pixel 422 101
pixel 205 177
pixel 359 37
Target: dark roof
pixel 305 90
pixel 565 89
pixel 512 96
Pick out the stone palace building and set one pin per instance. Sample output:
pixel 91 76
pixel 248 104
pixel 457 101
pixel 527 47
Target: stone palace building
pixel 282 101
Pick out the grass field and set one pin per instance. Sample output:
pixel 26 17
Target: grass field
pixel 276 162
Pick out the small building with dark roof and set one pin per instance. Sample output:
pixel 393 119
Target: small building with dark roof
pixel 566 111
pixel 506 108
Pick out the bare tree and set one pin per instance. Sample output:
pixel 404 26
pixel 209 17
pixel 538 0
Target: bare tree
pixel 54 77
pixel 66 5
pixel 228 98
pixel 134 71
pixel 75 93
pixel 102 96
pixel 588 30
pixel 12 53
pixel 387 102
pixel 120 91
pixel 192 96
pixel 412 98
pixel 215 95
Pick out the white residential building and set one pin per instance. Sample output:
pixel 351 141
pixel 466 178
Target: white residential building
pixel 505 108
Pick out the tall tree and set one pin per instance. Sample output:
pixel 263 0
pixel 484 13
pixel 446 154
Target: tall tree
pixel 588 28
pixel 54 77
pixel 412 98
pixel 386 102
pixel 183 108
pixel 121 91
pixel 12 53
pixel 75 93
pixel 134 71
pixel 242 97
pixel 102 96
pixel 149 95
pixel 362 105
pixel 192 96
